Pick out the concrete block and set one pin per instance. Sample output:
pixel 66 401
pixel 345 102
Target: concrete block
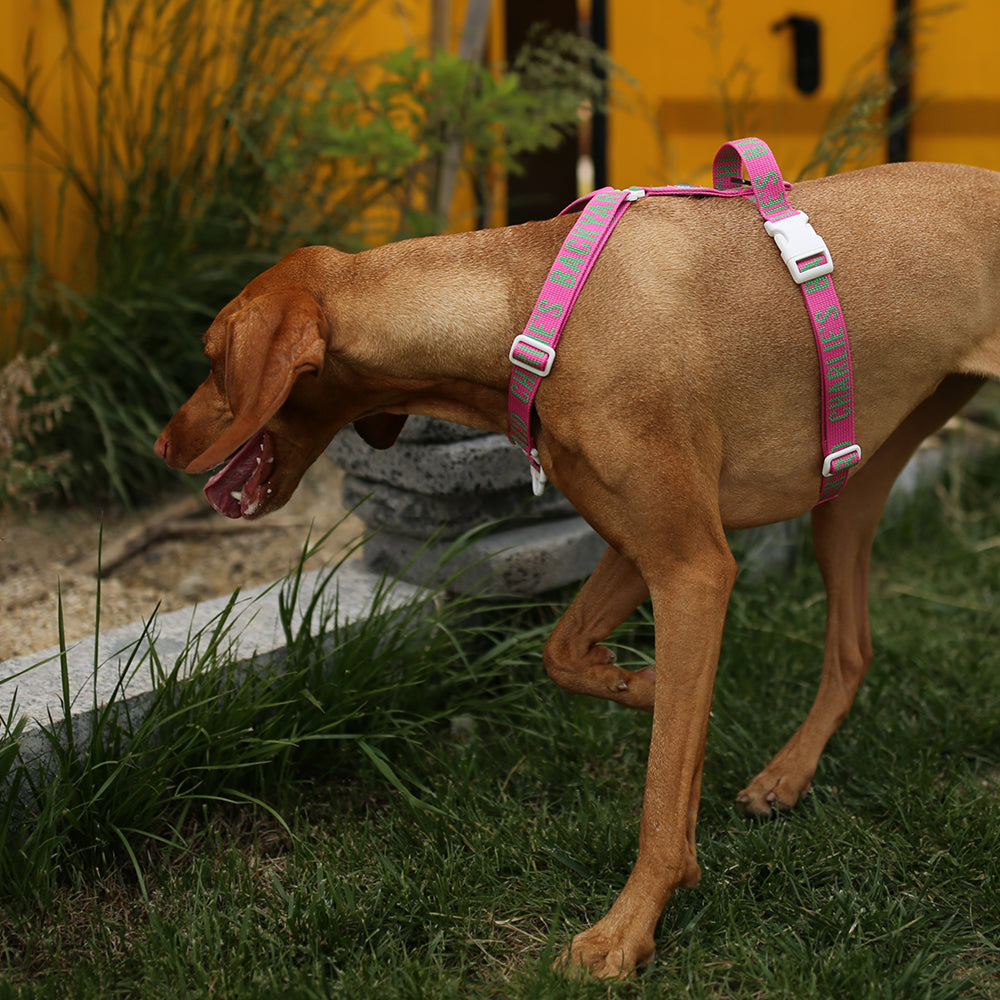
pixel 526 560
pixel 768 549
pixel 430 430
pixel 420 515
pixel 458 468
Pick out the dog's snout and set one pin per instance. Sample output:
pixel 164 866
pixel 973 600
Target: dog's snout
pixel 162 447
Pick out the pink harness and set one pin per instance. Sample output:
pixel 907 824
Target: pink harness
pixel 805 255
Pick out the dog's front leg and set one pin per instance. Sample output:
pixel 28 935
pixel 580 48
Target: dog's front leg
pixel 689 606
pixel 573 657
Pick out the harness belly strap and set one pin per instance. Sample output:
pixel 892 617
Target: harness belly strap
pixel 806 256
pixel 809 262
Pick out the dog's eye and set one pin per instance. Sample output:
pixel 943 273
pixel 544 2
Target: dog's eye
pixel 215 353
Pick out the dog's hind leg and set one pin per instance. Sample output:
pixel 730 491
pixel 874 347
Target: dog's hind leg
pixel 573 657
pixel 843 532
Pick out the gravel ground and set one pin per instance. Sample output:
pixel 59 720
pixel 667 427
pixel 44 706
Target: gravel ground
pixel 50 551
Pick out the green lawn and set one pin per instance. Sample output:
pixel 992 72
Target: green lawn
pixel 445 838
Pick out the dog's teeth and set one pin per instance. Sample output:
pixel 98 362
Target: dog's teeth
pixel 237 495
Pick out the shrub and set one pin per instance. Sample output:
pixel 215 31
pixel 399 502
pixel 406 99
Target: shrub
pixel 216 144
pixel 23 417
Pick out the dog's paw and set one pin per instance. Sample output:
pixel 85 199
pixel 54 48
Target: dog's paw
pixel 598 675
pixel 605 956
pixel 637 688
pixel 767 793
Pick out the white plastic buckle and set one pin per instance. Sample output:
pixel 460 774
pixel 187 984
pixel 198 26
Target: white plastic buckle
pixel 532 343
pixel 852 450
pixel 538 477
pixel 798 241
pixel 635 193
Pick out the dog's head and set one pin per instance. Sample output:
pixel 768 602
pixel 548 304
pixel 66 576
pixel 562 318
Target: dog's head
pixel 269 406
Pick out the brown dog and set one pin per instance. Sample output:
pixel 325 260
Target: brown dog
pixel 684 401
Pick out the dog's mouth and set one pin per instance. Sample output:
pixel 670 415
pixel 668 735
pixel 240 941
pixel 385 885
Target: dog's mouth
pixel 238 488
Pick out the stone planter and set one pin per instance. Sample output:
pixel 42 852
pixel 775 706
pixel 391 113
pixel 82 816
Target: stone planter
pixel 440 481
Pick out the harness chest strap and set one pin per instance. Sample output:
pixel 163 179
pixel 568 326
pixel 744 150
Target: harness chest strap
pixel 533 352
pixel 803 251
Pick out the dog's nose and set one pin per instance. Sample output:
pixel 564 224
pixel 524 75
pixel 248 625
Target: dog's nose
pixel 161 446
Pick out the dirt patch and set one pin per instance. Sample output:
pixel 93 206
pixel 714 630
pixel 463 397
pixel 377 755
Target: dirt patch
pixel 55 551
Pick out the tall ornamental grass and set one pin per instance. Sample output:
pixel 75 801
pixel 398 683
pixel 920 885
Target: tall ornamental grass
pixel 207 140
pixel 94 790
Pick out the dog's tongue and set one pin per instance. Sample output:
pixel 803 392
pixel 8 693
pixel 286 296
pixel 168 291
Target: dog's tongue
pixel 235 489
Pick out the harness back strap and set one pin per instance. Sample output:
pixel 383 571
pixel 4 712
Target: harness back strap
pixel 805 254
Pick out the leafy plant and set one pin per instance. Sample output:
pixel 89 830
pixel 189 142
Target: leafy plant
pixel 397 130
pixel 204 147
pixel 24 416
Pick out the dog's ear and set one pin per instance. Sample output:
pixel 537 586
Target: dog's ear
pixel 270 342
pixel 381 429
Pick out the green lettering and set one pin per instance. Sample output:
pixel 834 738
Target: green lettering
pixel 817 284
pixel 519 387
pixel 518 429
pixel 581 250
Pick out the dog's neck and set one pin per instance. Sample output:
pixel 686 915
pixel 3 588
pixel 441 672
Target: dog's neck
pixel 449 309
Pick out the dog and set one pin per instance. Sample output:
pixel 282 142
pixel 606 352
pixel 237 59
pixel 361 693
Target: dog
pixel 684 401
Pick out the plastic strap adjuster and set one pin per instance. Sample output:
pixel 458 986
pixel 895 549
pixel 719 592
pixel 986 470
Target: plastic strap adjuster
pixel 523 353
pixel 538 477
pixel 840 460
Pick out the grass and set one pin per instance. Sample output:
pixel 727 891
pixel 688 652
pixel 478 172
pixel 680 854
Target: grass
pixel 427 816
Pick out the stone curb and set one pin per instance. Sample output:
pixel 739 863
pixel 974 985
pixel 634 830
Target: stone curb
pixel 31 686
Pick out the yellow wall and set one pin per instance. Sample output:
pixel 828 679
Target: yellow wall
pixel 44 208
pixel 957 87
pixel 30 186
pixel 48 213
pixel 683 54
pixel 704 71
